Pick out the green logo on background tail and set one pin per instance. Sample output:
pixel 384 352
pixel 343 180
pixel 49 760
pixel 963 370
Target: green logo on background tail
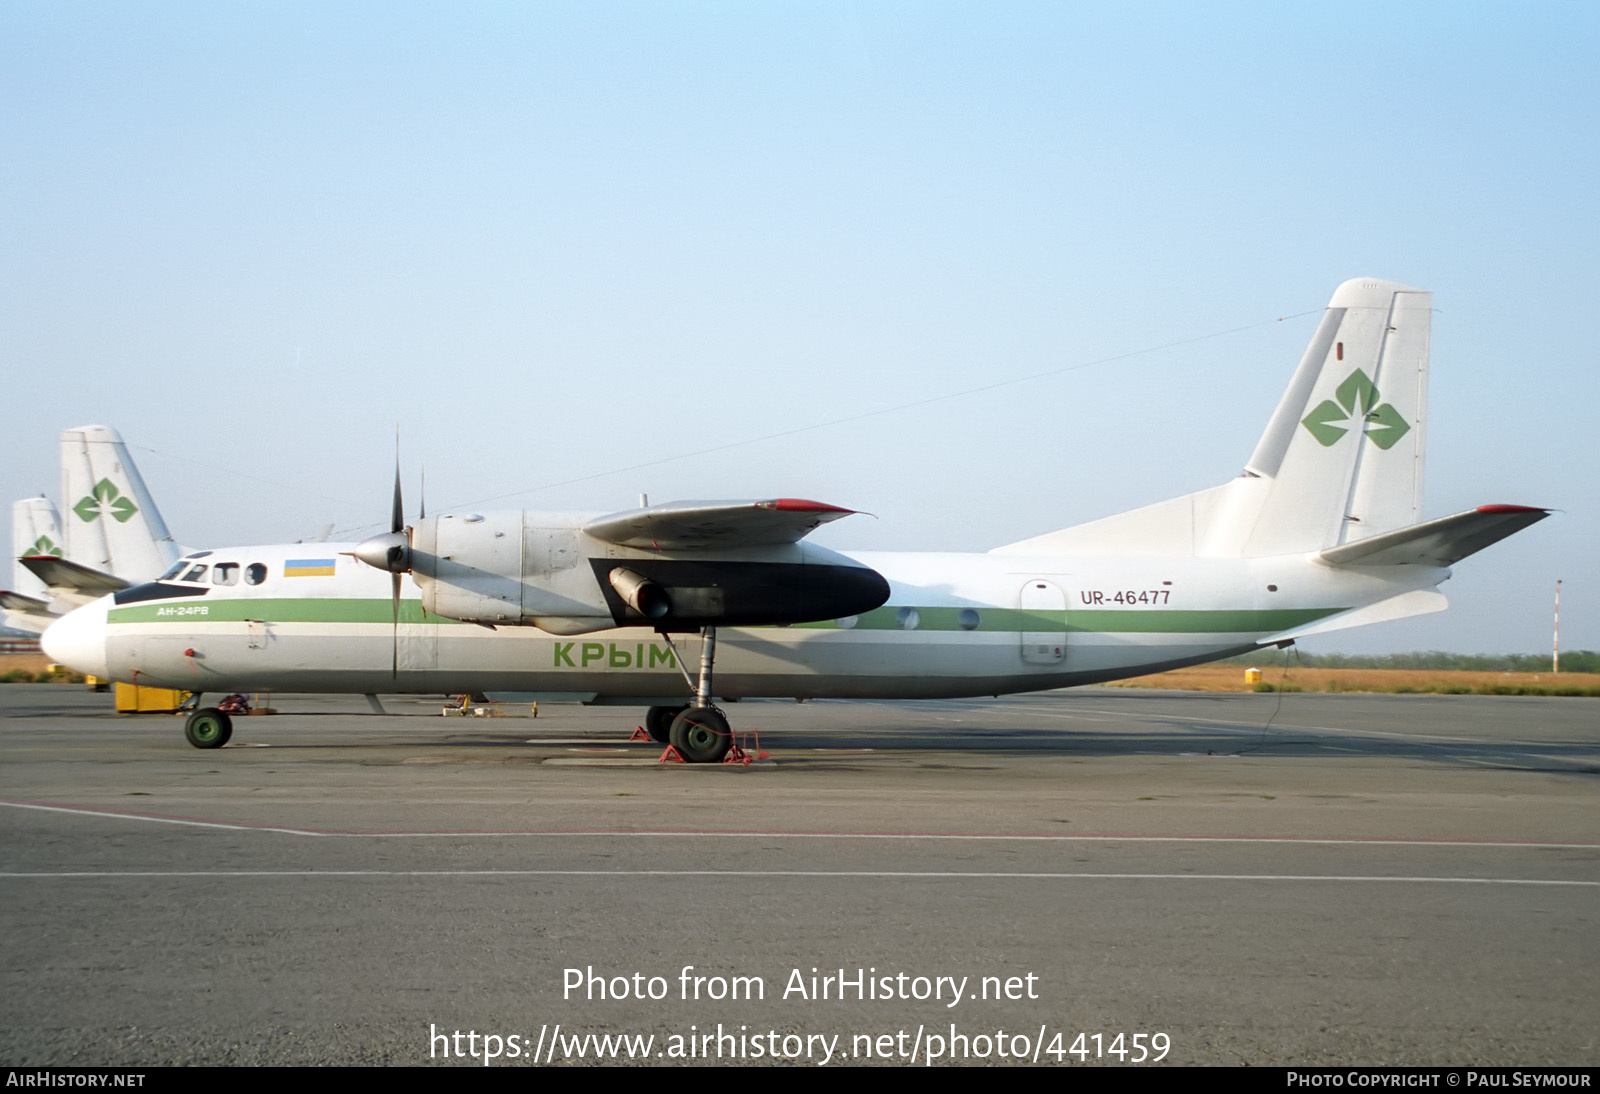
pixel 105 498
pixel 43 546
pixel 1358 397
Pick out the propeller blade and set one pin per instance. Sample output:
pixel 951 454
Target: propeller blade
pixel 397 557
pixel 394 585
pixel 397 516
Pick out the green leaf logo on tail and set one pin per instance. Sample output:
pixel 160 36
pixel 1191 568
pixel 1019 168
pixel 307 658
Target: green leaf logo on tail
pixel 1358 398
pixel 105 498
pixel 43 546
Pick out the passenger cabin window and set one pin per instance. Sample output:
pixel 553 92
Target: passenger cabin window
pixel 196 574
pixel 225 573
pixel 255 573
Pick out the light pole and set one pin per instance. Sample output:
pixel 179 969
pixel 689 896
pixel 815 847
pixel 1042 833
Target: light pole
pixel 1555 648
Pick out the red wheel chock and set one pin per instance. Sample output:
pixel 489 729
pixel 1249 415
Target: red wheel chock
pixel 738 754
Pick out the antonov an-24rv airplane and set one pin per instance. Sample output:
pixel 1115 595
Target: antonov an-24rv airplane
pixel 1320 532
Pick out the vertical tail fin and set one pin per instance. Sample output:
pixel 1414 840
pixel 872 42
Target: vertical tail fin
pixel 35 530
pixel 111 522
pixel 1342 457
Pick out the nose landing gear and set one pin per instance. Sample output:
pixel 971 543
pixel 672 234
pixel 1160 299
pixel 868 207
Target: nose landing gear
pixel 208 727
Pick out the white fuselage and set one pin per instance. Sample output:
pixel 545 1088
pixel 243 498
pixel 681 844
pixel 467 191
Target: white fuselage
pixel 954 625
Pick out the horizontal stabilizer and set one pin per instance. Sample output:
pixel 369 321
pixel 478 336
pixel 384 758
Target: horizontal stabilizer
pixel 1442 542
pixel 72 580
pixel 18 602
pixel 697 524
pixel 27 613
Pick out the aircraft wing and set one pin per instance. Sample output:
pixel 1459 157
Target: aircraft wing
pixel 692 525
pixel 1442 542
pixel 72 581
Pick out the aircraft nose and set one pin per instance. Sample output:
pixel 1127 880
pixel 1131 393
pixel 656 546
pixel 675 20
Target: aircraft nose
pixel 78 639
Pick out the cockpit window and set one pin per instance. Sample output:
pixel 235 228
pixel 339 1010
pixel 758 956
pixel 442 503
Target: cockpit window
pixel 196 574
pixel 225 573
pixel 255 573
pixel 177 568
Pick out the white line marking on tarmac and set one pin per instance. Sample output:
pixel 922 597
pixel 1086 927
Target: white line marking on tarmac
pixel 602 833
pixel 885 874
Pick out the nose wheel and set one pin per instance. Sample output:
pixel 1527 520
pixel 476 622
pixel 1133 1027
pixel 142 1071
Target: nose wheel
pixel 208 728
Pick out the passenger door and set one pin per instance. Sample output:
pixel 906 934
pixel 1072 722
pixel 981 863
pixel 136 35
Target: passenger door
pixel 1042 622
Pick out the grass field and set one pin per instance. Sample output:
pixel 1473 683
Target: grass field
pixel 1231 677
pixel 24 667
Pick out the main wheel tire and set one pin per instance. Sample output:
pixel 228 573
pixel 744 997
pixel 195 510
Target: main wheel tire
pixel 208 728
pixel 701 735
pixel 658 722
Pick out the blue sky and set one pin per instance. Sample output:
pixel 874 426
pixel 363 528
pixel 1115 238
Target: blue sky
pixel 554 242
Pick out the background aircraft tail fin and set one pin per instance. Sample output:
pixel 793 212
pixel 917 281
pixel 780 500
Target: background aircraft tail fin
pixel 111 522
pixel 35 530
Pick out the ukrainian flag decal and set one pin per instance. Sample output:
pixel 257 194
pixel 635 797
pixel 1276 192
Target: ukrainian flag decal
pixel 308 567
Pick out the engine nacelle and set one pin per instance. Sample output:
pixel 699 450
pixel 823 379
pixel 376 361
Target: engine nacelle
pixel 503 569
pixel 541 569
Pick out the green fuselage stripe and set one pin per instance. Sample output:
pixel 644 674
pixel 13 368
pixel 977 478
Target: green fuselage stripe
pixel 1096 620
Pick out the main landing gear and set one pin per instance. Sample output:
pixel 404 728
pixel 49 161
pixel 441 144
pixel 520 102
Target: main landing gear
pixel 701 735
pixel 698 732
pixel 658 722
pixel 704 736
